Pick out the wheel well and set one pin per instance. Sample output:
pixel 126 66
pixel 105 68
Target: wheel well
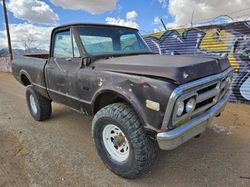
pixel 25 80
pixel 105 99
pixel 108 98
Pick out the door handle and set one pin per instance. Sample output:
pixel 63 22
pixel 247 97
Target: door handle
pixel 50 67
pixel 68 59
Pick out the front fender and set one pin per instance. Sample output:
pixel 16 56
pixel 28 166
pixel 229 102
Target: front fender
pixel 136 90
pixel 129 98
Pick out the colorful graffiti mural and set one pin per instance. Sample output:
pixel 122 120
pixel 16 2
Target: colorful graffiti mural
pixel 231 40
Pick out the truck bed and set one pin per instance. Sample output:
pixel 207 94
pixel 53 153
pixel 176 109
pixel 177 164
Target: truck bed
pixel 32 68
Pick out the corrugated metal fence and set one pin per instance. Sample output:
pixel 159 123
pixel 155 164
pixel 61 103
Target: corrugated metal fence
pixel 231 40
pixel 5 64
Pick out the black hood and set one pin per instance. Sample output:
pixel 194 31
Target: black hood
pixel 181 69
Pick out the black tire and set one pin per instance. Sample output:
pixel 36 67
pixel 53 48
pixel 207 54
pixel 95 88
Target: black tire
pixel 42 104
pixel 142 149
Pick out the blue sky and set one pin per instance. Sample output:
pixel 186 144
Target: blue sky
pixel 35 18
pixel 144 19
pixel 146 10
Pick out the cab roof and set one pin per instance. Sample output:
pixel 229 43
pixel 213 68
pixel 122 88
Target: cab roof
pixel 92 24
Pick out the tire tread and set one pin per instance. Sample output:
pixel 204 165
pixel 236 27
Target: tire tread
pixel 44 104
pixel 145 148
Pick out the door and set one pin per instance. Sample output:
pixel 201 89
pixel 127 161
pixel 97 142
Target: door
pixel 62 67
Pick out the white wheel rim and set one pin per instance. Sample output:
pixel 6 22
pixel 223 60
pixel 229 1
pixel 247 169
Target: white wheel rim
pixel 33 104
pixel 115 143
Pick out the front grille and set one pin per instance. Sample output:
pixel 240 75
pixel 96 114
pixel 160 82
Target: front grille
pixel 208 90
pixel 206 96
pixel 204 103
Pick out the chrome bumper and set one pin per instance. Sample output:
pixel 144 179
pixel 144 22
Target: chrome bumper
pixel 169 140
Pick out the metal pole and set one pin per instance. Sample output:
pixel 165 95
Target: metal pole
pixel 7 30
pixel 163 25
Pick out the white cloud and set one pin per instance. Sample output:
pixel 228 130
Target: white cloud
pixel 156 30
pixel 130 20
pixel 21 33
pixel 157 20
pixel 92 6
pixel 182 10
pixel 159 29
pixel 164 3
pixel 132 15
pixel 122 22
pixel 34 11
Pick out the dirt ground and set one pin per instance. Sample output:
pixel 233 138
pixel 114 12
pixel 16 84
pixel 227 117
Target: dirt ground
pixel 60 151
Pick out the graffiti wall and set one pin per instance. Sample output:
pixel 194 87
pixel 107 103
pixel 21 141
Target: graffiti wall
pixel 230 40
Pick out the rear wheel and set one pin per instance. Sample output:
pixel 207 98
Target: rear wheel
pixel 122 142
pixel 39 106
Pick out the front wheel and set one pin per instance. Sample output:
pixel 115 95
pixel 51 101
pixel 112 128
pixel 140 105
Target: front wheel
pixel 122 142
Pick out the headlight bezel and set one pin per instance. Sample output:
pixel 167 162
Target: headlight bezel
pixel 183 99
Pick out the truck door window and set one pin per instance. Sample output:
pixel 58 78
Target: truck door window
pixel 63 45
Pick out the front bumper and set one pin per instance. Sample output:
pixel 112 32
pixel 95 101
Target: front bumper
pixel 169 140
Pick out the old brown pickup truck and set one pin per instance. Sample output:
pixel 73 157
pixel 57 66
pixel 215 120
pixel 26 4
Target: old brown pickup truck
pixel 140 101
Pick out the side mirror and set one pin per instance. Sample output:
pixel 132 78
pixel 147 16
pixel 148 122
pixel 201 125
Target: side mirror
pixel 86 61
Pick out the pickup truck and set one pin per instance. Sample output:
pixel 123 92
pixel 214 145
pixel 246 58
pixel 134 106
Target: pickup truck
pixel 140 101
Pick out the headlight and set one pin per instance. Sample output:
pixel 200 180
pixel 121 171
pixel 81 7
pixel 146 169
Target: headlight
pixel 190 105
pixel 180 108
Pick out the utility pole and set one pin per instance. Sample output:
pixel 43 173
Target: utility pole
pixel 7 29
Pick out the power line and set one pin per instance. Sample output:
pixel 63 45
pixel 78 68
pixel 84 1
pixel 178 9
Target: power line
pixel 240 10
pixel 227 15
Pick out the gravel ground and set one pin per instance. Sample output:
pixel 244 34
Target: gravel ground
pixel 60 151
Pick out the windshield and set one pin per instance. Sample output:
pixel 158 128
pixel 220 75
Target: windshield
pixel 103 40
